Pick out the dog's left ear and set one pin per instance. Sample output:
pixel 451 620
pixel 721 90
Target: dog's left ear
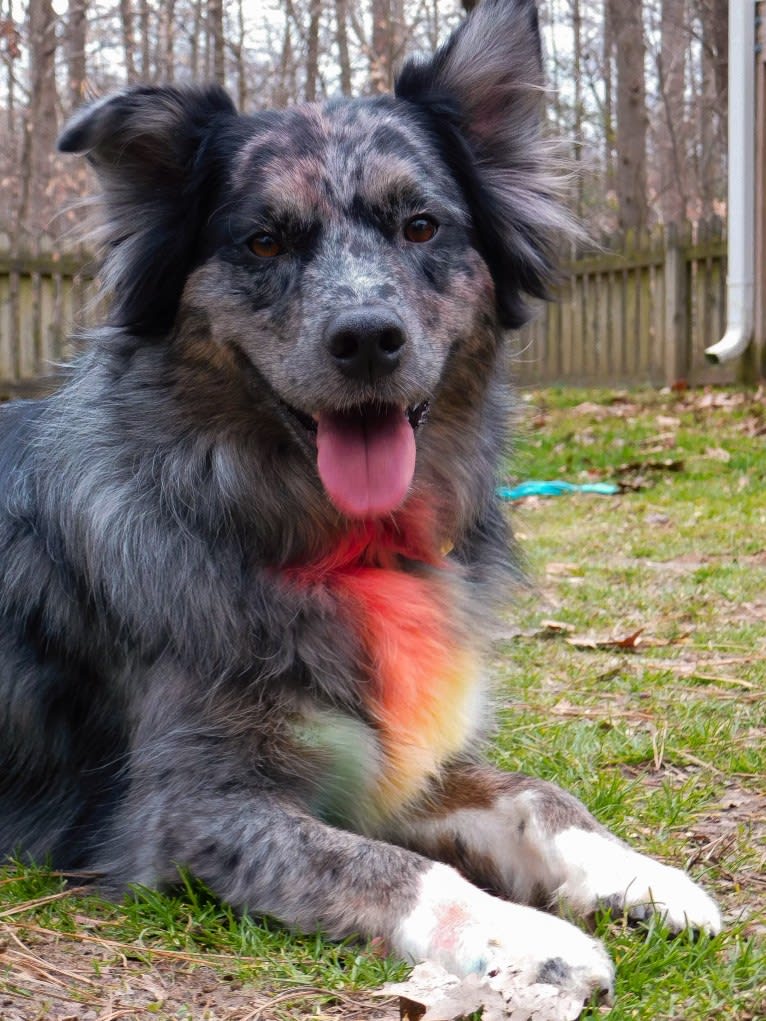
pixel 480 97
pixel 156 153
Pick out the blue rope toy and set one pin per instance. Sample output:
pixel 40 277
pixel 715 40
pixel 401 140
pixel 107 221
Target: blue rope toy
pixel 555 488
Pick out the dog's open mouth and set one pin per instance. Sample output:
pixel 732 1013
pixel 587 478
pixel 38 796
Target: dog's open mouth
pixel 366 456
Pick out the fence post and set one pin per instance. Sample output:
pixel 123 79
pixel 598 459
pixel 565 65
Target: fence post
pixel 677 348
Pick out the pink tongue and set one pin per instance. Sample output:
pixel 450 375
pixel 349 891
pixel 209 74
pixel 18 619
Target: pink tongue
pixel 366 460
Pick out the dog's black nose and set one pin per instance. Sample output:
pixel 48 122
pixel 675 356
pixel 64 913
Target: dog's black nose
pixel 366 343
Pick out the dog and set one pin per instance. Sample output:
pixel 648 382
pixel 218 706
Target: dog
pixel 251 549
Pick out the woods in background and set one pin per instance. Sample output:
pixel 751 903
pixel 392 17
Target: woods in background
pixel 638 89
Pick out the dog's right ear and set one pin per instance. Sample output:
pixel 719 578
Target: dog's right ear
pixel 155 154
pixel 480 98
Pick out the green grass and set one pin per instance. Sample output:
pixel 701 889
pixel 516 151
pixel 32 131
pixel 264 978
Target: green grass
pixel 666 743
pixel 660 740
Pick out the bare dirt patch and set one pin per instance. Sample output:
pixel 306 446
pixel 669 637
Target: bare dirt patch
pixel 55 977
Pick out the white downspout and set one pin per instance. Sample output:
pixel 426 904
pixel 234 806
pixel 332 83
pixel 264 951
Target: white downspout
pixel 741 203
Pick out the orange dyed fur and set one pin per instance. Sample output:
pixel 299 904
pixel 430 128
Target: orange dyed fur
pixel 424 685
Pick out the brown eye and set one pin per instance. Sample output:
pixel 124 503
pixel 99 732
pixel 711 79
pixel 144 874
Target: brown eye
pixel 265 245
pixel 420 229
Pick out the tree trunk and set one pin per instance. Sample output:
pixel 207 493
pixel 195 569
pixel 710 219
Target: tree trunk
pixel 40 129
pixel 128 42
pixel 239 53
pixel 341 36
pixel 216 39
pixel 380 50
pixel 578 99
pixel 717 33
pixel 146 50
pixel 607 58
pixel 165 61
pixel 196 31
pixel 627 25
pixel 11 49
pixel 672 183
pixel 712 102
pixel 312 50
pixel 283 91
pixel 75 51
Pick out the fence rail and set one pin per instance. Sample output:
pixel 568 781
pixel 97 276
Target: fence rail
pixel 640 309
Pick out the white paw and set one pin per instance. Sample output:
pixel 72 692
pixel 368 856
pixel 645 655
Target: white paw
pixel 601 872
pixel 465 930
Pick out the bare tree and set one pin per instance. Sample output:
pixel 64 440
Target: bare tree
pixel 632 121
pixel 312 50
pixel 128 38
pixel 609 134
pixel 75 50
pixel 712 103
pixel 383 45
pixel 577 70
pixel 238 51
pixel 164 62
pixel 639 89
pixel 10 46
pixel 216 39
pixel 341 36
pixel 40 128
pixel 671 131
pixel 285 87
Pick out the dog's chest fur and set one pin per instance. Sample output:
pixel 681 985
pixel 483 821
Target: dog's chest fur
pixel 422 693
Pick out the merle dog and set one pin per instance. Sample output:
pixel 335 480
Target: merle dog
pixel 250 549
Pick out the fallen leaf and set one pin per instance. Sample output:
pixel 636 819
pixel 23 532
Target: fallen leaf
pixel 633 484
pixel 718 454
pixel 753 425
pixel 432 994
pixel 629 642
pixel 666 464
pixel 657 519
pixel 662 441
pixel 552 628
pixel 589 408
pixel 557 568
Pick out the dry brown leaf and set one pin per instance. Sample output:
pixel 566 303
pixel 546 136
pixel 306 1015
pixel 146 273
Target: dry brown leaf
pixel 629 642
pixel 432 994
pixel 718 454
pixel 657 519
pixel 666 464
pixel 556 568
pixel 656 444
pixel 552 628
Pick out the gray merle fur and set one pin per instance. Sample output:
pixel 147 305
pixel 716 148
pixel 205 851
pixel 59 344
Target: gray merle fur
pixel 153 664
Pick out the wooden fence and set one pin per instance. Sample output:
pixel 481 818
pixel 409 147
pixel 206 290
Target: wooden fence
pixel 639 310
pixel 45 294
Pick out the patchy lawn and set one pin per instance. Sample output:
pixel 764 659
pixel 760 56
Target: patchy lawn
pixel 633 672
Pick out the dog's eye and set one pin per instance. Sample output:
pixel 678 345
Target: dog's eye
pixel 265 245
pixel 420 229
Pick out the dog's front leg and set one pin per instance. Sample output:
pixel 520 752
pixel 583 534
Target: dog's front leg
pixel 262 852
pixel 531 841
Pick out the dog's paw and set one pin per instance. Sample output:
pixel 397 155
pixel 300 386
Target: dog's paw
pixel 466 930
pixel 601 872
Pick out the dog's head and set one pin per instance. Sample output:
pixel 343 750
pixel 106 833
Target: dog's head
pixel 358 257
